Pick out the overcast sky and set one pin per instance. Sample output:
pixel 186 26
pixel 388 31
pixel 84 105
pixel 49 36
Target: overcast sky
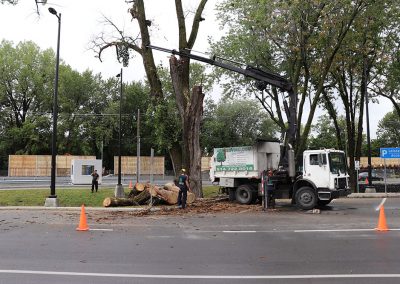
pixel 83 19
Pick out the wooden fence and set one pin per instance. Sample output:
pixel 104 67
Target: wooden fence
pixel 205 164
pixel 40 165
pixel 377 162
pixel 129 163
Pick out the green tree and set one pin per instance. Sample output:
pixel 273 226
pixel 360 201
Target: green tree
pixel 26 80
pixel 235 123
pixel 361 68
pixel 324 134
pixel 299 39
pixel 388 132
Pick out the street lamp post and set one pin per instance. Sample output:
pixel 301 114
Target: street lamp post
pixel 369 188
pixel 119 189
pixel 52 201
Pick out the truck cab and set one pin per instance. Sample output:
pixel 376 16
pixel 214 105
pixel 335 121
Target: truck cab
pixel 323 178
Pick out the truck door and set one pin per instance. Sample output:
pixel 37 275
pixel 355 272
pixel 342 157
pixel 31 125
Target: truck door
pixel 316 170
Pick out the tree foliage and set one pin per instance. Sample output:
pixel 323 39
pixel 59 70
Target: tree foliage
pixel 88 107
pixel 389 130
pixel 233 123
pixel 324 134
pixel 299 39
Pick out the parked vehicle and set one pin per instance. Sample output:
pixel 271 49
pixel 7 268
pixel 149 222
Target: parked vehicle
pixel 240 171
pixel 364 175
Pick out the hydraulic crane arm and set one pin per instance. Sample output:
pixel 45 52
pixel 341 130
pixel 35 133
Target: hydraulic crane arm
pixel 263 78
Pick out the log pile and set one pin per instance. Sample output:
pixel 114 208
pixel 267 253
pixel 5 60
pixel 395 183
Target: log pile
pixel 146 194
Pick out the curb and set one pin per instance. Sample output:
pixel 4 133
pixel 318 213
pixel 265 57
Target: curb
pixel 374 195
pixel 112 209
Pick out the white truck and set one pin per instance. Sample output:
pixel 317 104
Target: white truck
pixel 240 171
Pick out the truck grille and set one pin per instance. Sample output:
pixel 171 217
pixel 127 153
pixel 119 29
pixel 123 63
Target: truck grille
pixel 341 183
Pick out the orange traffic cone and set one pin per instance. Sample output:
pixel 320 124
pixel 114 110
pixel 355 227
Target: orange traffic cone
pixel 130 185
pixel 83 226
pixel 366 181
pixel 382 226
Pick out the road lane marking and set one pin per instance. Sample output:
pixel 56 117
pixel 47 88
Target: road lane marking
pixel 339 230
pixel 172 276
pixel 287 231
pixel 381 204
pixel 233 231
pixel 107 230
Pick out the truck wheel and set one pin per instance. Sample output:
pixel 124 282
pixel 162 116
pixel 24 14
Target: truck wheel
pixel 245 194
pixel 306 198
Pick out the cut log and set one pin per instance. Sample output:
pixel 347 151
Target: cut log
pixel 171 197
pixel 153 190
pixel 171 186
pixel 191 197
pixel 138 188
pixel 142 197
pixel 114 202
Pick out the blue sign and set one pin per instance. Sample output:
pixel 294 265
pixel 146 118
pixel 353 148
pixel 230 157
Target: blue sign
pixel 390 153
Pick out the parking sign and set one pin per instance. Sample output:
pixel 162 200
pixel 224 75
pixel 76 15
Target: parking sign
pixel 390 153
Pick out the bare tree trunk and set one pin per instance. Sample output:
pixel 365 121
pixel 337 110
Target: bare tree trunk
pixel 194 119
pixel 191 109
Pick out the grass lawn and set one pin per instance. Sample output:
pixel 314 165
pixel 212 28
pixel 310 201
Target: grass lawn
pixel 68 197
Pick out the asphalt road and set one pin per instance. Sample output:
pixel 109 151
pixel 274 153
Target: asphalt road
pixel 339 245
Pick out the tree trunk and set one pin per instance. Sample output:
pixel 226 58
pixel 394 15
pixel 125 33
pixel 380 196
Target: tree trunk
pixel 142 197
pixel 194 119
pixel 191 109
pixel 114 202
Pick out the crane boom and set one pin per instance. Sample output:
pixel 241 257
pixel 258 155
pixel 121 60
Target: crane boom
pixel 263 78
pixel 270 78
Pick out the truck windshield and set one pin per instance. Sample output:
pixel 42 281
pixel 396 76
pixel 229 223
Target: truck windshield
pixel 337 162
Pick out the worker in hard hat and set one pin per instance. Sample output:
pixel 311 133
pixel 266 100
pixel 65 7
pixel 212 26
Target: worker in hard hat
pixel 183 184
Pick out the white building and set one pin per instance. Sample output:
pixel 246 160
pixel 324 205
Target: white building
pixel 81 171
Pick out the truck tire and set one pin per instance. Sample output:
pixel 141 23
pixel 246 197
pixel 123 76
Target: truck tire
pixel 245 194
pixel 306 198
